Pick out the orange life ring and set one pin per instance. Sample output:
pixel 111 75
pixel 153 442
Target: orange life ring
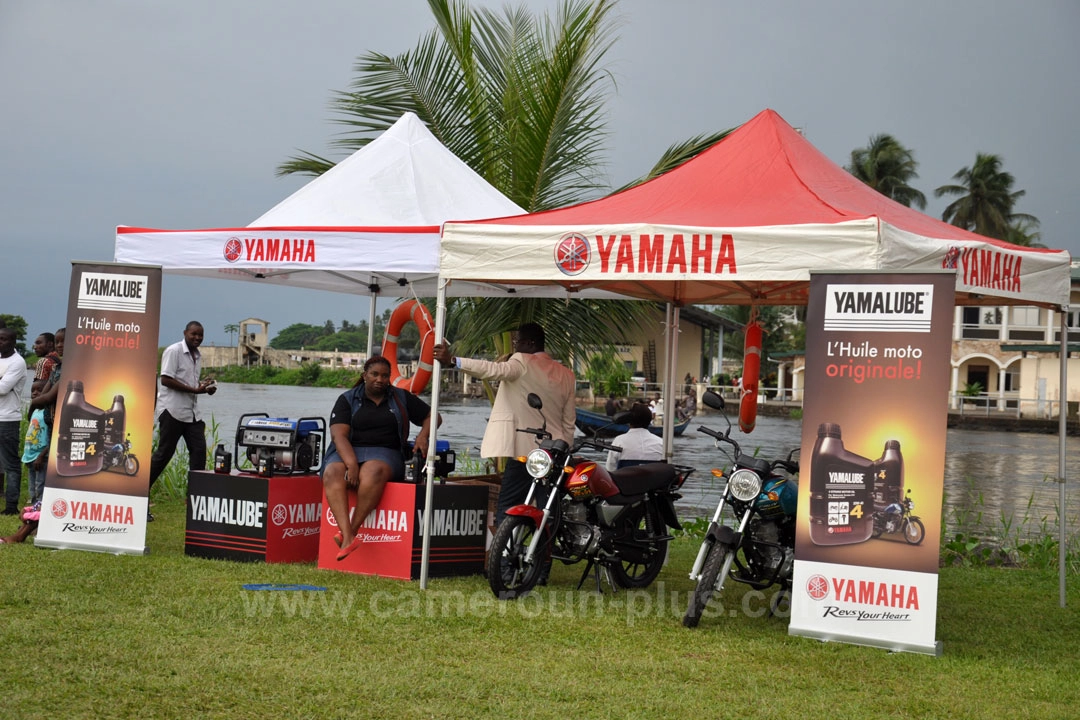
pixel 410 311
pixel 751 374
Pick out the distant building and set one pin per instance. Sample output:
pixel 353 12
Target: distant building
pixel 253 343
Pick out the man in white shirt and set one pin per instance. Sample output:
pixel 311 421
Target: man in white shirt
pixel 12 382
pixel 177 403
pixel 638 444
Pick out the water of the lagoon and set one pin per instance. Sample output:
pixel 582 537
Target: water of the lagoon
pixel 989 472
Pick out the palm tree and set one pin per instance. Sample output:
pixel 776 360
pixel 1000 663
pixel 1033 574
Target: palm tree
pixel 986 199
pixel 1024 230
pixel 888 167
pixel 678 154
pixel 521 100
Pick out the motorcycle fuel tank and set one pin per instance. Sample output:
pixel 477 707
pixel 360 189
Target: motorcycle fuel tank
pixel 590 478
pixel 778 497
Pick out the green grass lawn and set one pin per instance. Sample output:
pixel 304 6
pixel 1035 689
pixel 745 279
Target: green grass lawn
pixel 93 635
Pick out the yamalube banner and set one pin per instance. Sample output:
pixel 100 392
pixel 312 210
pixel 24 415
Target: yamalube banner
pixel 99 458
pixel 873 459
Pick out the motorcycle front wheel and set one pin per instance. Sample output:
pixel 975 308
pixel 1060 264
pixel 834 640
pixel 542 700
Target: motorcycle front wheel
pixel 639 573
pixel 914 532
pixel 131 465
pixel 716 561
pixel 509 575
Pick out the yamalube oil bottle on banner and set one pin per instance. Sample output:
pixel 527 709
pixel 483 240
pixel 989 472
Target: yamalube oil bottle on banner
pixel 79 442
pixel 841 483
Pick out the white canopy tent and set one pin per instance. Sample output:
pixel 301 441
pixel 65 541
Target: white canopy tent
pixel 745 222
pixel 369 226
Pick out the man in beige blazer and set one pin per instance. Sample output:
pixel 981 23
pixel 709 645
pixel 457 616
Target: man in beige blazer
pixel 528 370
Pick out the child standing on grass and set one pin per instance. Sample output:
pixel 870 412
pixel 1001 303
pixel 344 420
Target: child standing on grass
pixel 36 447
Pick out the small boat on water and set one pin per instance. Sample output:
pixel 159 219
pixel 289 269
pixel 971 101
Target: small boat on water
pixel 594 423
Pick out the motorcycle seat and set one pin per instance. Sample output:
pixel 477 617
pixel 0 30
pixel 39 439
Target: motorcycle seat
pixel 640 479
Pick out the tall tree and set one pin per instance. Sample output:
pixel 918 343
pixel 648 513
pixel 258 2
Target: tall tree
pixel 888 167
pixel 986 199
pixel 1024 230
pixel 519 98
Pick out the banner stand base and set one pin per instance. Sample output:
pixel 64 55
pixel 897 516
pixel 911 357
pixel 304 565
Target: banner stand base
pixel 108 549
pixel 936 649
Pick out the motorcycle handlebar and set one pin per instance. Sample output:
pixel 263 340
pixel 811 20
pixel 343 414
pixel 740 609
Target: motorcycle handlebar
pixel 535 431
pixel 720 436
pixel 791 467
pixel 711 433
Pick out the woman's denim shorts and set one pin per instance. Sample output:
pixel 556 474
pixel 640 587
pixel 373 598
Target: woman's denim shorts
pixel 388 455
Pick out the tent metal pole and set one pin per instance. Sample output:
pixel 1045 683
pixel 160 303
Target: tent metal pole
pixel 673 379
pixel 429 465
pixel 671 350
pixel 371 325
pixel 719 354
pixel 1063 408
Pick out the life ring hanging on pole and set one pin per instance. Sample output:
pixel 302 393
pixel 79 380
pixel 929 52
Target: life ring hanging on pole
pixel 410 311
pixel 750 376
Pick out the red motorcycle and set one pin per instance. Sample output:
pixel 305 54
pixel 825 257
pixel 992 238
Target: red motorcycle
pixel 617 522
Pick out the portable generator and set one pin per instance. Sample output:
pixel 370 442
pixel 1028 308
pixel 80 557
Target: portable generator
pixel 445 462
pixel 279 445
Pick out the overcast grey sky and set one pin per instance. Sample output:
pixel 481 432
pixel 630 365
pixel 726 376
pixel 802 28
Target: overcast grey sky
pixel 175 114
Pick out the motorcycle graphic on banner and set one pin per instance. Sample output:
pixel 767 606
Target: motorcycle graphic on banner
pixel 873 445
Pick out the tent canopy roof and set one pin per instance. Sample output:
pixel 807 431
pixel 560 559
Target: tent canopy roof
pixel 403 178
pixel 762 209
pixel 370 225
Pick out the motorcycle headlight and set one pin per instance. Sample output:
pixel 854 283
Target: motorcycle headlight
pixel 744 485
pixel 538 463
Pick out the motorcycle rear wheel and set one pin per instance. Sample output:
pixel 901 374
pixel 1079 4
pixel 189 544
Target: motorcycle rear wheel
pixel 914 532
pixel 706 586
pixel 509 576
pixel 633 574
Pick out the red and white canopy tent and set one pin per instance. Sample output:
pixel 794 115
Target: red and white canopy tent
pixel 745 222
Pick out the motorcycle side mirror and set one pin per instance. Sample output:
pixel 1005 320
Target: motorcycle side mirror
pixel 537 404
pixel 713 399
pixel 792 456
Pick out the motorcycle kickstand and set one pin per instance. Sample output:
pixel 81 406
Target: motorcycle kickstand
pixel 585 574
pixel 596 569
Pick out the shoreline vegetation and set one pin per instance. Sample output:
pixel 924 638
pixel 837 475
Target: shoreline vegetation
pixel 307 375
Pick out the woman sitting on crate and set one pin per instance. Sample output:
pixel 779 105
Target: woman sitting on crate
pixel 369 432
